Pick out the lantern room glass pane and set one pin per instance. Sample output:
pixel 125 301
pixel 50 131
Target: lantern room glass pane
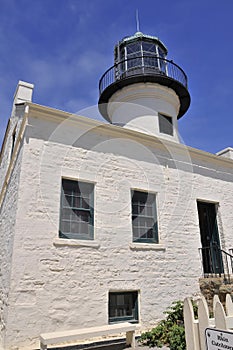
pixel 122 53
pixel 149 47
pixel 151 62
pixel 133 48
pixel 162 62
pixel 161 52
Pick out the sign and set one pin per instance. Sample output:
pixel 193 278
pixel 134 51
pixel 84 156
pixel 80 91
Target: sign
pixel 217 339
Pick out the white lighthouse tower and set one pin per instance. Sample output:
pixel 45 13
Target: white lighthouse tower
pixel 143 90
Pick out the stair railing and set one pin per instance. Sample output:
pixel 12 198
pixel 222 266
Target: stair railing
pixel 216 262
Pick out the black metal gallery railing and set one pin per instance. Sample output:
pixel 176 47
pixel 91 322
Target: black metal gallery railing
pixel 217 263
pixel 142 65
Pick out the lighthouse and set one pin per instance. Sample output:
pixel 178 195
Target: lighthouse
pixel 143 90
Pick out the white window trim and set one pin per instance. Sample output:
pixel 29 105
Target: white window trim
pixel 146 246
pixel 76 243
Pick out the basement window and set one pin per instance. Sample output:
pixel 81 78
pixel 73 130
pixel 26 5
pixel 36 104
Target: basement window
pixel 123 306
pixel 165 124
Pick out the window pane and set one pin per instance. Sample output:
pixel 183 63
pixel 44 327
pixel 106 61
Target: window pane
pixel 76 202
pixel 65 226
pixel 161 52
pixel 75 215
pixel 66 214
pixel 74 227
pixel 150 233
pixel 122 54
pixel 84 216
pixel 151 62
pixel 84 229
pixel 67 201
pixel 69 187
pixel 134 62
pixel 149 211
pixel 149 47
pixel 134 47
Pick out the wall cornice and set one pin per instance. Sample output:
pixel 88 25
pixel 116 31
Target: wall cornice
pixel 44 112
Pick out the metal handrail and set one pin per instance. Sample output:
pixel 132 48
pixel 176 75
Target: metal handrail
pixel 222 268
pixel 129 67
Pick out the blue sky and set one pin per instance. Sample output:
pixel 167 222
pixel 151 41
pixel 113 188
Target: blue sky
pixel 64 46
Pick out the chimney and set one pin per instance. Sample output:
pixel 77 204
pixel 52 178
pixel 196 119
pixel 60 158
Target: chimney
pixel 227 153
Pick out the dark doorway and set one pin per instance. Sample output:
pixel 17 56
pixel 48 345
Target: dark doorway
pixel 211 250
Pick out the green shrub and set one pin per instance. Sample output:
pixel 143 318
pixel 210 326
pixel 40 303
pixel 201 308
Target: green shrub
pixel 169 332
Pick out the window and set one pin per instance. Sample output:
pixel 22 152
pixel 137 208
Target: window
pixel 144 217
pixel 77 214
pixel 13 142
pixel 123 306
pixel 165 124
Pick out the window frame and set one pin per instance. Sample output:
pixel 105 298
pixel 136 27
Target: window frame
pixel 82 210
pixel 134 318
pixel 153 217
pixel 165 125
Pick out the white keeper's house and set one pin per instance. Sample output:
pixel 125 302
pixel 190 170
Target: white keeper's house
pixel 108 222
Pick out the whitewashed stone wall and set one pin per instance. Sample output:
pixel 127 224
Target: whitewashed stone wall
pixel 137 107
pixel 22 94
pixel 58 284
pixel 13 126
pixel 8 212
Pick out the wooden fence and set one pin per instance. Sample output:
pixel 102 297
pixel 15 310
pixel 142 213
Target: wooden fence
pixel 195 328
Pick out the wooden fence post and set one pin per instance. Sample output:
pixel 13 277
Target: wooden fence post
pixel 195 329
pixel 229 305
pixel 220 316
pixel 191 326
pixel 215 300
pixel 203 318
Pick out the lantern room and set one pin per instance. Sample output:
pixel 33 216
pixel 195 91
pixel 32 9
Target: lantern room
pixel 144 90
pixel 139 54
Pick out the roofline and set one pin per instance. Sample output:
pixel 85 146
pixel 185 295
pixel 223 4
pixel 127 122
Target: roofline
pixel 140 35
pixel 225 150
pixel 119 131
pixel 44 112
pixel 6 133
pixel 14 155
